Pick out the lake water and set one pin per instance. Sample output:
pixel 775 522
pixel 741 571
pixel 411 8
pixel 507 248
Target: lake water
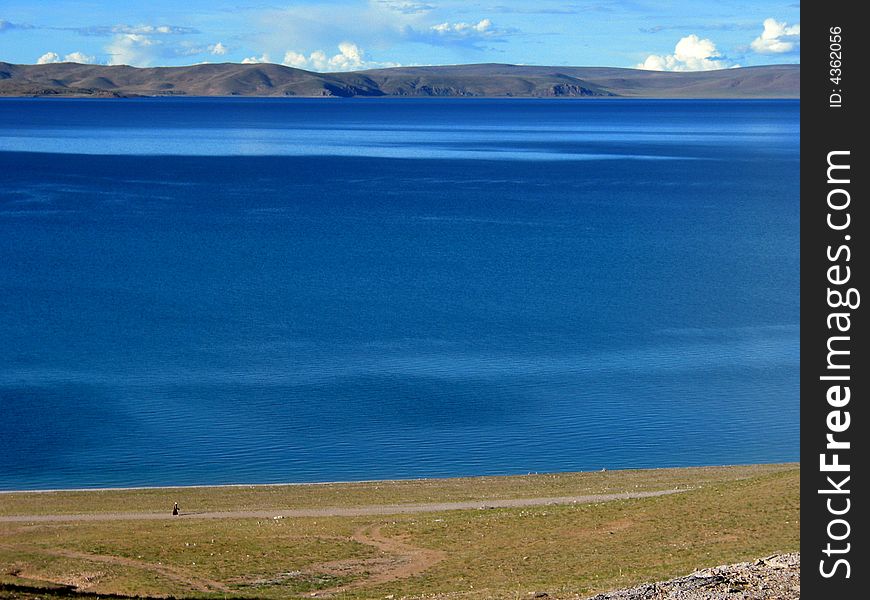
pixel 204 291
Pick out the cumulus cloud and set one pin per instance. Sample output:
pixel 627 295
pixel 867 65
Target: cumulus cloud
pixel 690 54
pixel 460 33
pixel 778 37
pixel 132 49
pixel 218 49
pixel 256 60
pixel 48 57
pixel 484 26
pixel 350 57
pixel 76 57
pixel 80 57
pixel 295 59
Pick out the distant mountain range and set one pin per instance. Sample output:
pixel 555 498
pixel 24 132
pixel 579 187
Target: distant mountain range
pixel 483 80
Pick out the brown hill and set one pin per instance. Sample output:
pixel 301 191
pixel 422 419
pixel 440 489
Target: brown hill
pixel 486 80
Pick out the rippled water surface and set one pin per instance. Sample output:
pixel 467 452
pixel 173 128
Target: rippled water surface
pixel 235 290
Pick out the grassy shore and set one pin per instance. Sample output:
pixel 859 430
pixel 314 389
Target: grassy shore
pixel 721 515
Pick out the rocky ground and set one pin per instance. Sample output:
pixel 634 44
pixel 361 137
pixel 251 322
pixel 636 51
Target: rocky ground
pixel 776 577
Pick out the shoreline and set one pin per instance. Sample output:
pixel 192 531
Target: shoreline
pixel 303 484
pixel 382 98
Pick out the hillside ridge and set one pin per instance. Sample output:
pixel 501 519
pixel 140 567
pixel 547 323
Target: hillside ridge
pixel 474 80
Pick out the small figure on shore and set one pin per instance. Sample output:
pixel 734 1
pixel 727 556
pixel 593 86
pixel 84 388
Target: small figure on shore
pixel 175 509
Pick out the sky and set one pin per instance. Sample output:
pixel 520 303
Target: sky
pixel 347 35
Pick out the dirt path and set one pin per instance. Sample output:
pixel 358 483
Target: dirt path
pixel 360 511
pixel 396 559
pixel 412 560
pixel 200 584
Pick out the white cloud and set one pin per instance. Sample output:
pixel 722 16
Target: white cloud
pixel 142 45
pixel 148 29
pixel 48 57
pixel 75 57
pixel 460 33
pixel 690 54
pixel 132 49
pixel 295 59
pixel 777 37
pixel 80 57
pixel 218 49
pixel 318 59
pixel 190 49
pixel 483 26
pixel 323 25
pixel 350 57
pixel 256 60
pixel 376 25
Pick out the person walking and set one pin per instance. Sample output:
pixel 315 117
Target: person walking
pixel 175 509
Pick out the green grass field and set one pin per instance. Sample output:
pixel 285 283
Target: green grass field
pixel 724 514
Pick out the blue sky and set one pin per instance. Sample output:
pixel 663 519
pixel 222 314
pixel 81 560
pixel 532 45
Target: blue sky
pixel 334 35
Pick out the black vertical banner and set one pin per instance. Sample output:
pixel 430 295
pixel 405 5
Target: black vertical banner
pixel 835 369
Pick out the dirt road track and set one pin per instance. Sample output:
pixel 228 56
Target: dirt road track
pixel 359 511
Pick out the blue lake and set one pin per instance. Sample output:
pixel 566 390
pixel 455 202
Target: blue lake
pixel 204 291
